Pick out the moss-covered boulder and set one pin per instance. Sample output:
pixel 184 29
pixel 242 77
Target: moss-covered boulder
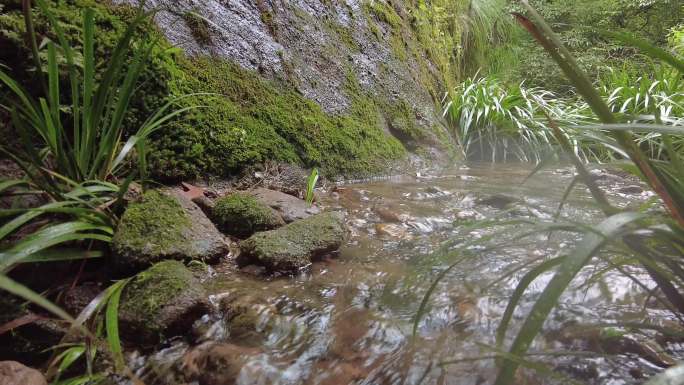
pixel 292 247
pixel 161 301
pixel 242 215
pixel 165 225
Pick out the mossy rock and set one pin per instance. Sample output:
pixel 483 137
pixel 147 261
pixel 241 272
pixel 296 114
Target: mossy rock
pixel 293 247
pixel 165 225
pixel 161 301
pixel 242 215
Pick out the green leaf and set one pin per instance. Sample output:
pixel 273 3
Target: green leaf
pixel 648 48
pixel 112 323
pixel 311 185
pixel 526 280
pixel 51 236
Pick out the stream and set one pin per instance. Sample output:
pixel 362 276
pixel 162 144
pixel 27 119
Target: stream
pixel 349 320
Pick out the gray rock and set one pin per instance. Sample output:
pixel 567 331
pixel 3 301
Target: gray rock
pixel 161 301
pixel 293 247
pixel 290 208
pixel 14 373
pixel 165 225
pixel 317 46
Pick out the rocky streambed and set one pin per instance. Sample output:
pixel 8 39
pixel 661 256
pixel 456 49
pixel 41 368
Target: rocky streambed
pixel 258 287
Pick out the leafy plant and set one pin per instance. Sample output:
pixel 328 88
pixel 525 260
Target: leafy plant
pixel 102 311
pixel 311 185
pixel 654 98
pixel 510 122
pixel 74 155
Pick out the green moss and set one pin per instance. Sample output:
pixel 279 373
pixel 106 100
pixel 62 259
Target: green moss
pixel 384 11
pixel 374 29
pixel 242 215
pixel 155 215
pixel 253 120
pixel 199 27
pixel 256 120
pixel 293 246
pixel 611 334
pixel 155 287
pixel 344 34
pixel 398 46
pixel 163 300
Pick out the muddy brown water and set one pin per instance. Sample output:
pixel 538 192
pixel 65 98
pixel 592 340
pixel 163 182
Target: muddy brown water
pixel 350 319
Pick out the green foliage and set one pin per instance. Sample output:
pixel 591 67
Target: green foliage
pixel 578 25
pixel 91 314
pixel 463 37
pixel 659 251
pixel 72 146
pixel 501 122
pixel 654 97
pixel 676 38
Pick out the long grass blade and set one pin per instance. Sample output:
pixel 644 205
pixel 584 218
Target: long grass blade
pixel 571 265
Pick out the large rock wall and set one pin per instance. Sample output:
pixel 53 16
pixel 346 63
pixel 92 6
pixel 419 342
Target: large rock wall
pixel 321 48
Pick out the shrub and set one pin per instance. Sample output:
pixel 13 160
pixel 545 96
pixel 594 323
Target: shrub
pixel 509 122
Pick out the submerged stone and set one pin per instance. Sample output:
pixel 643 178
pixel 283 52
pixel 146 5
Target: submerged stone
pixel 216 363
pixel 499 201
pixel 165 225
pixel 242 215
pixel 293 247
pixel 161 301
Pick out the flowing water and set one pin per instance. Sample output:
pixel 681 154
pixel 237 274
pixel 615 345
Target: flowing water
pixel 349 320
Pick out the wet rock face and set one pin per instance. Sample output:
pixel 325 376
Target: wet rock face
pixel 289 207
pixel 317 47
pixel 14 373
pixel 292 247
pixel 165 225
pixel 161 301
pixel 242 215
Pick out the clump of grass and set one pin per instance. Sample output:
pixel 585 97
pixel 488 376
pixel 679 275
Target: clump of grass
pixel 74 155
pixel 199 27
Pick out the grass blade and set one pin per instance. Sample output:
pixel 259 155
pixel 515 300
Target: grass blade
pixel 568 269
pixel 112 323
